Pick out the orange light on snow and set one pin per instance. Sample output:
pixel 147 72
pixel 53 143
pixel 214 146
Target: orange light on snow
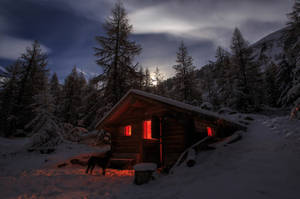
pixel 127 130
pixel 147 129
pixel 209 131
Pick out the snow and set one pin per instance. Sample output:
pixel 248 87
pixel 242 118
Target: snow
pixel 3 71
pixel 265 163
pixel 145 167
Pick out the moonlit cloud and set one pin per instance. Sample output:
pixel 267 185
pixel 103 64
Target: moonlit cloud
pixel 201 20
pixel 12 48
pixel 68 28
pixel 91 9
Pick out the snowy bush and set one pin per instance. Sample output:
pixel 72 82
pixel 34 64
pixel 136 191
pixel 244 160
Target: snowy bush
pixel 226 110
pixel 96 138
pixel 75 134
pixel 206 106
pixel 44 128
pixel 46 133
pixel 68 127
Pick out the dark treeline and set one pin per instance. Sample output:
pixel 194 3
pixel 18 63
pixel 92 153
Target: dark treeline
pixel 31 98
pixel 248 82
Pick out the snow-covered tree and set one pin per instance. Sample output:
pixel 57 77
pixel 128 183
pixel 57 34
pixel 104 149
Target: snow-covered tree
pixel 45 129
pixel 224 77
pixel 185 76
pixel 272 88
pixel 33 80
pixel 284 80
pixel 115 55
pixel 73 94
pixel 294 15
pixel 93 105
pixel 247 76
pixel 292 49
pixel 56 92
pixel 209 85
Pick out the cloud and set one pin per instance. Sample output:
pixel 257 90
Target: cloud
pixel 91 9
pixel 11 48
pixel 203 19
pixel 4 26
pixel 68 27
pixel 159 50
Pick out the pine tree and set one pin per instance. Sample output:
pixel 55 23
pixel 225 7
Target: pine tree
pixel 92 105
pixel 116 54
pixel 8 101
pixel 209 84
pixel 292 49
pixel 185 76
pixel 56 92
pixel 73 93
pixel 45 128
pixel 141 79
pixel 294 16
pixel 224 77
pixel 147 81
pixel 158 79
pixel 284 80
pixel 33 80
pixel 271 85
pixel 247 79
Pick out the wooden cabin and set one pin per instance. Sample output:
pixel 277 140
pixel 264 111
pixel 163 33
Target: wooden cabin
pixel 149 128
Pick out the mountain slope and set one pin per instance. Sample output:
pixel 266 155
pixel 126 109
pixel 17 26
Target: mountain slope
pixel 270 48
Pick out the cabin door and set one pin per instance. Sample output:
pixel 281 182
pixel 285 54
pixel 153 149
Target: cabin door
pixel 151 151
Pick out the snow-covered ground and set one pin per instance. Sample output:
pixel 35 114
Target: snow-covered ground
pixel 264 164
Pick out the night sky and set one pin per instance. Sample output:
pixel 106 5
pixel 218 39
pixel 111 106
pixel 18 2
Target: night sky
pixel 66 28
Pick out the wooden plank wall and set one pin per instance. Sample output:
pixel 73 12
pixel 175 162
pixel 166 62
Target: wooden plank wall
pixel 174 140
pixel 127 146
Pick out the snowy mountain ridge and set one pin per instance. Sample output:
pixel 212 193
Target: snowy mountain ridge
pixel 270 48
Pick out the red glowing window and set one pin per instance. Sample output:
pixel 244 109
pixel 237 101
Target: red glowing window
pixel 127 130
pixel 209 131
pixel 147 129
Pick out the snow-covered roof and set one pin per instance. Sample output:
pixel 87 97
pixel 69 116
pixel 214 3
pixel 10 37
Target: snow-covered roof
pixel 168 101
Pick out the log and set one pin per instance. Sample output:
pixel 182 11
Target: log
pixel 191 158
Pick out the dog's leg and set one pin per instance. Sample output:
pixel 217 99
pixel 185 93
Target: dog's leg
pixel 105 166
pixel 103 170
pixel 87 169
pixel 92 168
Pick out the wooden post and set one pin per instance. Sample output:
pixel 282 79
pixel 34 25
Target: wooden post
pixel 160 143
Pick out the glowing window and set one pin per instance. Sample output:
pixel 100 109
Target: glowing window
pixel 147 129
pixel 127 130
pixel 209 131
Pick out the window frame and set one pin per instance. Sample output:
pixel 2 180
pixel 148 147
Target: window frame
pixel 127 130
pixel 146 127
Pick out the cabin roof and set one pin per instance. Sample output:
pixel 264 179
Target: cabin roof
pixel 168 101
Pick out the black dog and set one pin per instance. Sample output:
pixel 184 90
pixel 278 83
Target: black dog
pixel 101 161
